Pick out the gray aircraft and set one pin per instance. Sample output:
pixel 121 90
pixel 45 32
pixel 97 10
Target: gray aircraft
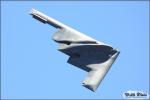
pixel 84 52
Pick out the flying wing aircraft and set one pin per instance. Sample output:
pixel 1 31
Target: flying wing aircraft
pixel 84 52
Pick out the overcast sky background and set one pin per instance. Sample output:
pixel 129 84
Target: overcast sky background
pixel 32 68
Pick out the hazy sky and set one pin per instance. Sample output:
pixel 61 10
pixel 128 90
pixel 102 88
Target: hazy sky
pixel 32 68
